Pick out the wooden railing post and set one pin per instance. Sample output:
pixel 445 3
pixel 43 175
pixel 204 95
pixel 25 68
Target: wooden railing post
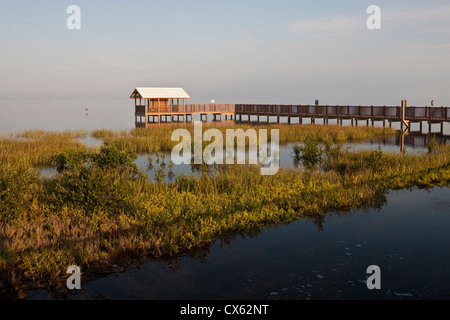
pixel 403 109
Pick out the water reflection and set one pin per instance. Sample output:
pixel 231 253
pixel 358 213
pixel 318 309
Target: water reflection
pixel 403 141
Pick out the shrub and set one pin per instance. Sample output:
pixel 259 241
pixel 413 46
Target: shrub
pixel 94 189
pixel 70 159
pixel 310 152
pixel 432 145
pixel 107 180
pixel 19 187
pixel 113 155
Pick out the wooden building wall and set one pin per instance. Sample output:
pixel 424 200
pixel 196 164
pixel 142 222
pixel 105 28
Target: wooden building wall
pixel 163 105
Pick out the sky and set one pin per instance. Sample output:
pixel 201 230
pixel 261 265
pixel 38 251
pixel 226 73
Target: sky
pixel 247 51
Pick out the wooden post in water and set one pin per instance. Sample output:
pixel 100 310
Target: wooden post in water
pixel 404 121
pixel 402 147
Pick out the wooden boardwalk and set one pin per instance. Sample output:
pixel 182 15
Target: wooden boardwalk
pixel 243 112
pixel 385 114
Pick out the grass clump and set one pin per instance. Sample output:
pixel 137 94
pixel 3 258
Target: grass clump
pixel 432 145
pixel 20 187
pixel 309 154
pixel 38 147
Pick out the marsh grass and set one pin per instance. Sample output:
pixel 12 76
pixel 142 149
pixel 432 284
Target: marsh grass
pixel 432 145
pixel 156 138
pixel 38 147
pixel 310 154
pixel 101 210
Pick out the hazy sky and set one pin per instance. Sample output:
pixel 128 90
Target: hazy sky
pixel 231 51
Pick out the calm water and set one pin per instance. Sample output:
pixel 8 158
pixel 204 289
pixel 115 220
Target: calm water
pixel 65 114
pixel 407 238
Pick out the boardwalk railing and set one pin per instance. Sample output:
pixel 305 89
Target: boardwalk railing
pixel 189 108
pixel 206 108
pixel 346 112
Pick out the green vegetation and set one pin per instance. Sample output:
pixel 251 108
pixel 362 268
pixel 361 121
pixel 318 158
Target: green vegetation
pixel 432 145
pixel 99 209
pixel 310 153
pixel 158 138
pixel 38 147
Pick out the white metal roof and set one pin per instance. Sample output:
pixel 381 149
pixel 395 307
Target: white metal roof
pixel 162 93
